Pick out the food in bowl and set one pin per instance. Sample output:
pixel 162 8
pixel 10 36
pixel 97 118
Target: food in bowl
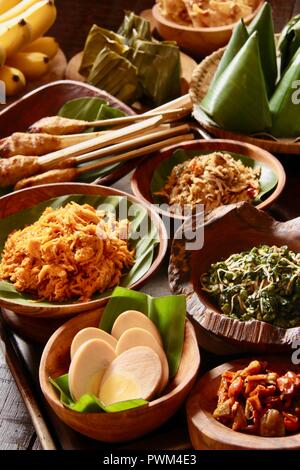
pixel 260 284
pixel 69 253
pixel 206 13
pixel 212 180
pixel 259 401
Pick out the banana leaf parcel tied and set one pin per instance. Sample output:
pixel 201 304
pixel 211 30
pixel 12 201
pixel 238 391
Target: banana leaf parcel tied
pixel 131 65
pixel 263 25
pixel 285 103
pixel 289 42
pixel 238 100
pixel 167 313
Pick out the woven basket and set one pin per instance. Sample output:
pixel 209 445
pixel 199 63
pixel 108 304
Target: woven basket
pixel 201 79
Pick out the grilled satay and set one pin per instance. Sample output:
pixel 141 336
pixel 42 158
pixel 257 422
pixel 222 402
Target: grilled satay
pixel 21 143
pixel 57 125
pixel 51 176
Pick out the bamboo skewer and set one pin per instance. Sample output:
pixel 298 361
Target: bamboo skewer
pixel 71 174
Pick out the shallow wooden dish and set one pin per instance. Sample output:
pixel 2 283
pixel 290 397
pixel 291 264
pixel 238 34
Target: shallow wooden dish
pixel 142 176
pixel 46 101
pixel 202 77
pixel 188 66
pixel 227 230
pixel 197 41
pixel 15 202
pixel 207 433
pixel 126 425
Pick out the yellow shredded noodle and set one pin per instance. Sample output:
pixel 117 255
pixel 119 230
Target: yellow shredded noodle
pixel 212 180
pixel 70 252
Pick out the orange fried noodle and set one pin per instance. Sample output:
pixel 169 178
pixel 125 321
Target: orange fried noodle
pixel 70 252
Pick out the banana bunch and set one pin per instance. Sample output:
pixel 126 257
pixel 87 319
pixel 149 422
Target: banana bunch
pixel 25 54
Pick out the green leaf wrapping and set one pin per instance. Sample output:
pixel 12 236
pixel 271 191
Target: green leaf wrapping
pixel 91 109
pixel 133 28
pixel 238 102
pixel 268 180
pixel 289 42
pixel 284 105
pixel 263 25
pixel 144 247
pixel 167 313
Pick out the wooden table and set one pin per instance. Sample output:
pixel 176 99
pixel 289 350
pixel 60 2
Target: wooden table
pixel 74 20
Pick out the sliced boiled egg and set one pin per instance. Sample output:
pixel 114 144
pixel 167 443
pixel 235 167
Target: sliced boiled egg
pixel 134 319
pixel 88 366
pixel 136 373
pixel 140 337
pixel 91 333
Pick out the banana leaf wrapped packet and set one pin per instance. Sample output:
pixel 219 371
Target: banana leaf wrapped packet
pixel 289 42
pixel 238 99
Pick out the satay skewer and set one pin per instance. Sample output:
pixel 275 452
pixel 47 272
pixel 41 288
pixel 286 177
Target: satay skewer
pixel 71 174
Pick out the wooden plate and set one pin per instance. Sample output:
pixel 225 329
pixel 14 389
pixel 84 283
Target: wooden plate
pixel 196 41
pixel 201 80
pixel 227 230
pixel 142 176
pixel 56 72
pixel 125 425
pixel 188 66
pixel 15 202
pixel 207 433
pixel 46 101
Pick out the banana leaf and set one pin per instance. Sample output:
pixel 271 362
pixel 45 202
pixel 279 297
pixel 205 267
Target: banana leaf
pixel 144 244
pixel 90 109
pixel 167 313
pixel 238 102
pixel 116 75
pixel 263 25
pixel 285 102
pixel 133 28
pixel 268 179
pixel 158 66
pixel 289 42
pixel 97 39
pixel 238 39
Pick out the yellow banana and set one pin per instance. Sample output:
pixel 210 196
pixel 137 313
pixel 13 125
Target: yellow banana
pixel 13 79
pixel 14 35
pixel 7 5
pixel 41 17
pixel 2 55
pixel 32 64
pixel 16 10
pixel 47 45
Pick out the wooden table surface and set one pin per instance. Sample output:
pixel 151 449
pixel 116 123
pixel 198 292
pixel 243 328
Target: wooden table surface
pixel 74 20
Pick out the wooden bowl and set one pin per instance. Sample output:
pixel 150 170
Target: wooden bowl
pixel 125 425
pixel 15 202
pixel 142 176
pixel 209 434
pixel 46 101
pixel 228 230
pixel 202 77
pixel 197 41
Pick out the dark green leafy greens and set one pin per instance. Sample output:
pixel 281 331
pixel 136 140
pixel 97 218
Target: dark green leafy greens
pixel 167 313
pixel 261 284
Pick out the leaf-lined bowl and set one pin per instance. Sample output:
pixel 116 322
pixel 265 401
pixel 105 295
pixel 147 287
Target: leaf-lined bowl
pixel 123 425
pixel 152 173
pixel 229 230
pixel 24 207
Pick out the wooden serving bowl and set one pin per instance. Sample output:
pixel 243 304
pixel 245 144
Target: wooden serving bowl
pixel 47 101
pixel 125 425
pixel 209 434
pixel 143 174
pixel 25 315
pixel 197 41
pixel 228 230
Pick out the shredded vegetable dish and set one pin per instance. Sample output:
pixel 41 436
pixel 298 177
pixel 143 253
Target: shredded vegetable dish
pixel 206 13
pixel 261 284
pixel 259 401
pixel 212 180
pixel 70 252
